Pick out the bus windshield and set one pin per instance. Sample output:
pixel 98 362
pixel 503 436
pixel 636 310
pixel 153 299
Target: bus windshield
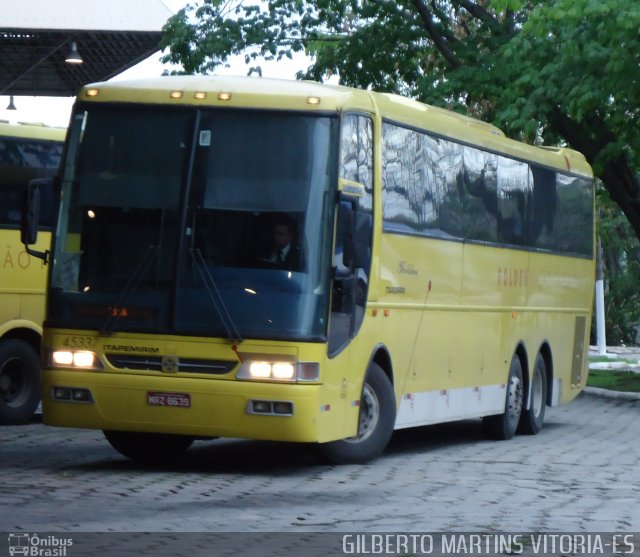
pixel 203 222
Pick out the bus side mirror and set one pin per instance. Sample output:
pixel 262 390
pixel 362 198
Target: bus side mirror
pixel 31 216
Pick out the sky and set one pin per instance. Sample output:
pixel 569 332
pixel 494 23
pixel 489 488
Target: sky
pixel 55 111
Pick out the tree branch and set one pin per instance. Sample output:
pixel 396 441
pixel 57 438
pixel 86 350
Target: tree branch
pixel 439 40
pixel 443 16
pixel 479 12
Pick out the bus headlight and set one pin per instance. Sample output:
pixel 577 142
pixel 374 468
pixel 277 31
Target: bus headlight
pixel 263 370
pixel 283 370
pixel 260 370
pixel 75 358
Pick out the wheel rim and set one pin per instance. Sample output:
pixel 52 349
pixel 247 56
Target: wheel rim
pixel 369 415
pixel 514 401
pixel 13 390
pixel 537 393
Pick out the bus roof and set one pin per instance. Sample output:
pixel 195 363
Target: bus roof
pixel 254 92
pixel 27 130
pixel 230 91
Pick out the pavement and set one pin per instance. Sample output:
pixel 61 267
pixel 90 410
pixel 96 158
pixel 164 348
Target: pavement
pixel 579 475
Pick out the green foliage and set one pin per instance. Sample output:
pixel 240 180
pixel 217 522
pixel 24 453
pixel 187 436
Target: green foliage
pixel 579 57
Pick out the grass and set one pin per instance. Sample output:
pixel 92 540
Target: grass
pixel 608 359
pixel 614 380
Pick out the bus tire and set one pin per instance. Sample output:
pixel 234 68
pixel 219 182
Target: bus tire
pixel 375 423
pixel 148 447
pixel 19 381
pixel 503 426
pixel 533 417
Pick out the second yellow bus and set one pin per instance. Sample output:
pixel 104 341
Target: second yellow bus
pixel 27 151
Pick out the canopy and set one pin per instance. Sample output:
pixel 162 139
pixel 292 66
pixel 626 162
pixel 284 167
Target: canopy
pixel 36 36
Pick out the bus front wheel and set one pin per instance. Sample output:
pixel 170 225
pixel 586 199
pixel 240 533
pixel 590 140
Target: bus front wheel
pixel 375 423
pixel 533 417
pixel 19 381
pixel 148 447
pixel 503 426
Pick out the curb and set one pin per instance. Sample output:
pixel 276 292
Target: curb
pixel 620 395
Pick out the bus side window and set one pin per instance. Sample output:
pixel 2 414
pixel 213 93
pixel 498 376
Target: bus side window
pixel 9 206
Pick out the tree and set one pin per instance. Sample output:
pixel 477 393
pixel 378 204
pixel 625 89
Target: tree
pixel 558 71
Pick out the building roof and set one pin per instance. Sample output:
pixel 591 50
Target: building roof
pixel 37 35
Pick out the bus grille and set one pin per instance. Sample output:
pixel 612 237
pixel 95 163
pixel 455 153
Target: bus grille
pixel 173 364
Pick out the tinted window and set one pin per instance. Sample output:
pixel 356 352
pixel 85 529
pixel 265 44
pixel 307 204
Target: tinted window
pixel 135 160
pixel 565 217
pixel 421 179
pixel 513 197
pixel 480 201
pixel 356 154
pixel 22 160
pixel 436 187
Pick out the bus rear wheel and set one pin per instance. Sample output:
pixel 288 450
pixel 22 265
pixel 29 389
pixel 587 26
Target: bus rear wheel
pixel 148 447
pixel 375 423
pixel 533 417
pixel 503 426
pixel 19 381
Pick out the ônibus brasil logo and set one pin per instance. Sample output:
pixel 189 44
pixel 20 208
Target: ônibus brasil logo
pixel 38 546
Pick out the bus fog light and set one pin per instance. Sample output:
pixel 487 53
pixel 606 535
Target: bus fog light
pixel 81 395
pixel 61 393
pixel 283 408
pixel 71 394
pixel 270 407
pixel 261 406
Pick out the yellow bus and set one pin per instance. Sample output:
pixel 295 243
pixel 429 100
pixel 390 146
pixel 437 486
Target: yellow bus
pixel 27 151
pixel 291 261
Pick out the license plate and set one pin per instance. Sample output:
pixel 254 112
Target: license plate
pixel 175 400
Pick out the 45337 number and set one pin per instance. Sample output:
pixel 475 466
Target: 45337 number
pixel 78 341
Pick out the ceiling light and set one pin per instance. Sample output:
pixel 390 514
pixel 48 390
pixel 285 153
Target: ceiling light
pixel 74 56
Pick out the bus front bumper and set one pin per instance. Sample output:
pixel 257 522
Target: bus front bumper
pixel 196 407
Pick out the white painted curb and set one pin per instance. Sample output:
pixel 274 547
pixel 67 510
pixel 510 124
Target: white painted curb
pixel 611 394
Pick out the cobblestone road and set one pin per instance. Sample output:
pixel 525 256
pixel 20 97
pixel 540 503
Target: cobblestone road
pixel 581 473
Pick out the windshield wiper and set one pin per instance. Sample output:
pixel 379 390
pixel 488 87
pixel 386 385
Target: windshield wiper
pixel 132 283
pixel 233 334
